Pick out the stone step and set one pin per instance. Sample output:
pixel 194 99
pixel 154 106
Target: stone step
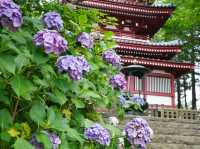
pixel 172 125
pixel 175 131
pixel 176 139
pixel 171 146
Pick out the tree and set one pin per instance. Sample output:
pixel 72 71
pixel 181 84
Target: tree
pixel 184 25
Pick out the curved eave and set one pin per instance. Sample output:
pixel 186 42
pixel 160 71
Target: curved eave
pixel 129 10
pixel 175 68
pixel 149 48
pixel 129 41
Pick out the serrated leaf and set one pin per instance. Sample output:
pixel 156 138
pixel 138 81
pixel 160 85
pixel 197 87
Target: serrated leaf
pixel 21 60
pixel 22 144
pixel 88 123
pixel 78 103
pixel 82 19
pixel 22 87
pixel 5 119
pixel 90 94
pixel 4 99
pixel 73 134
pixel 44 139
pixel 38 113
pixel 7 63
pixel 57 97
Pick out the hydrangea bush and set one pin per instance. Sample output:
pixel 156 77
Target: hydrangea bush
pixel 138 132
pixel 131 104
pixel 50 83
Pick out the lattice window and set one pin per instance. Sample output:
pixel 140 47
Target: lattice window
pixel 158 84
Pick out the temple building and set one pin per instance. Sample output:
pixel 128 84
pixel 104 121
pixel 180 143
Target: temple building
pixel 138 21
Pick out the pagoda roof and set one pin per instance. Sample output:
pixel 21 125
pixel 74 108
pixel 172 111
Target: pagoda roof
pixel 176 68
pixel 130 40
pixel 127 9
pixel 145 48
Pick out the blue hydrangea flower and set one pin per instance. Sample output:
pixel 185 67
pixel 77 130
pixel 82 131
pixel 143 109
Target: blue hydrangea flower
pixel 122 100
pixel 85 40
pixel 51 40
pixel 97 133
pixel 110 56
pixel 118 81
pixel 10 15
pixel 54 138
pixel 53 20
pixel 138 100
pixel 138 132
pixel 75 66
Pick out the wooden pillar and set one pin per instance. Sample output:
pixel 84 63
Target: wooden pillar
pixel 172 92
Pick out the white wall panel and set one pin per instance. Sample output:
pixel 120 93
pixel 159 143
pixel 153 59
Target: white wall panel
pixel 159 100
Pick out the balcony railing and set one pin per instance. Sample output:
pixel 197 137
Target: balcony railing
pixel 174 114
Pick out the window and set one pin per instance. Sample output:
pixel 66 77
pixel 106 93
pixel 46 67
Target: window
pixel 158 84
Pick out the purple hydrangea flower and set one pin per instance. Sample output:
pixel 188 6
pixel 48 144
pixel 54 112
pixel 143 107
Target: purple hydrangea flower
pixel 122 100
pixel 138 100
pixel 97 133
pixel 138 132
pixel 118 81
pixel 53 20
pixel 75 66
pixel 51 40
pixel 85 40
pixel 110 56
pixel 10 15
pixel 55 140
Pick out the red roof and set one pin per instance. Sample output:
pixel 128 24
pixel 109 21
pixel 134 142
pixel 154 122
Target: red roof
pixel 175 68
pixel 131 10
pixel 145 20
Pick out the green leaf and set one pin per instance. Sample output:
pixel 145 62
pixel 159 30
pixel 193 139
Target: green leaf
pixel 60 123
pixel 64 144
pixel 22 144
pixel 44 139
pixel 22 87
pixel 56 120
pixel 90 94
pixel 88 123
pixel 82 19
pixel 57 97
pixel 7 63
pixel 4 99
pixel 5 119
pixel 73 134
pixel 21 60
pixel 38 113
pixel 108 35
pixel 78 103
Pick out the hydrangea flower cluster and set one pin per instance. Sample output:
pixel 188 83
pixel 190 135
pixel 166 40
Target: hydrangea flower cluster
pixel 53 20
pixel 122 100
pixel 138 132
pixel 51 40
pixel 10 15
pixel 97 133
pixel 75 66
pixel 55 140
pixel 118 81
pixel 110 56
pixel 138 100
pixel 85 40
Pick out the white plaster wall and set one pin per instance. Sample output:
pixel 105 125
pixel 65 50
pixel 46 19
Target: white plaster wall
pixel 160 100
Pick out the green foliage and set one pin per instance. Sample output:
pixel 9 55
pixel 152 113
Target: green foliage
pixel 35 93
pixel 22 144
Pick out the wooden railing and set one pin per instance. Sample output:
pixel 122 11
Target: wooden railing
pixel 174 114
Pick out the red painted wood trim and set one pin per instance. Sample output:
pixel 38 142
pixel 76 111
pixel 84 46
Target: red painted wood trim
pixel 173 92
